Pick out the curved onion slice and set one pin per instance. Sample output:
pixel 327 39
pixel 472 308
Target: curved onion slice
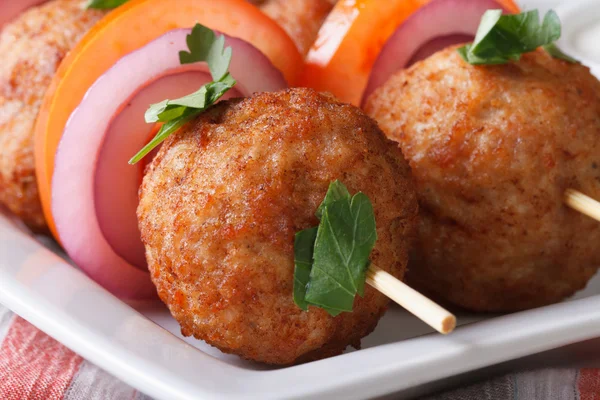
pixel 94 189
pixel 433 27
pixel 437 44
pixel 10 9
pixel 116 199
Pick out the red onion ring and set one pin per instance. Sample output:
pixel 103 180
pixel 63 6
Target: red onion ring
pixel 94 189
pixel 424 33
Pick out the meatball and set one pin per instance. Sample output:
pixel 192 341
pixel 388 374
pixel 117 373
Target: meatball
pixel 492 150
pixel 32 47
pixel 301 19
pixel 220 205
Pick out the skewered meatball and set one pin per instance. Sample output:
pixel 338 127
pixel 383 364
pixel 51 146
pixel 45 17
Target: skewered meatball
pixel 32 47
pixel 492 149
pixel 301 19
pixel 222 200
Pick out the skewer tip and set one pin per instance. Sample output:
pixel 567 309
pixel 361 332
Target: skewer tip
pixel 425 309
pixel 448 325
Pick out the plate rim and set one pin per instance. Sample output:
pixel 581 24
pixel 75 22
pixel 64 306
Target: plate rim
pixel 371 372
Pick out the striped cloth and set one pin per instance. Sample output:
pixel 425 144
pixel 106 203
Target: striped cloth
pixel 34 366
pixel 542 384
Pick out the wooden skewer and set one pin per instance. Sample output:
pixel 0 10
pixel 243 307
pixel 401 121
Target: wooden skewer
pixel 419 305
pixel 433 314
pixel 582 203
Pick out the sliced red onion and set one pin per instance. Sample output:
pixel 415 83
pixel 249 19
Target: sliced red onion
pixel 94 189
pixel 10 9
pixel 126 132
pixel 435 26
pixel 437 44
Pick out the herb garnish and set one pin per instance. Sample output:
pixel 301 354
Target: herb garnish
pixel 503 38
pixel 105 4
pixel 555 52
pixel 205 46
pixel 331 260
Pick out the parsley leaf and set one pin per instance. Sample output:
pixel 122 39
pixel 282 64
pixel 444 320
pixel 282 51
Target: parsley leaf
pixel 555 52
pixel 105 4
pixel 503 38
pixel 165 131
pixel 337 258
pixel 304 245
pixel 336 191
pixel 207 47
pixel 216 55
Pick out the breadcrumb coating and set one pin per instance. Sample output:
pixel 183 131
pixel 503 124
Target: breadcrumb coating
pixel 32 47
pixel 492 149
pixel 223 199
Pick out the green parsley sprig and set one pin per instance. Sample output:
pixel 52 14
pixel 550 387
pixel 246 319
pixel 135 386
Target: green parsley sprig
pixel 204 46
pixel 105 4
pixel 503 38
pixel 331 260
pixel 555 52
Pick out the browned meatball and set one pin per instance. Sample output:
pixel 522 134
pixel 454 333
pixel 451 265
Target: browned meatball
pixel 492 149
pixel 301 19
pixel 32 47
pixel 221 203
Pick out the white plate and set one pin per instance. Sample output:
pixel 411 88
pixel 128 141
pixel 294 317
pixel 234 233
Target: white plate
pixel 581 31
pixel 141 344
pixel 152 357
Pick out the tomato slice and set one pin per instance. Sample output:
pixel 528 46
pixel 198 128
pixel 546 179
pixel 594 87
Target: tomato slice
pixel 128 28
pixel 348 44
pixel 350 40
pixel 510 5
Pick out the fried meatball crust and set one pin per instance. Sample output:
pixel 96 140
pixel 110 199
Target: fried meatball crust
pixel 223 199
pixel 32 47
pixel 492 149
pixel 301 19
